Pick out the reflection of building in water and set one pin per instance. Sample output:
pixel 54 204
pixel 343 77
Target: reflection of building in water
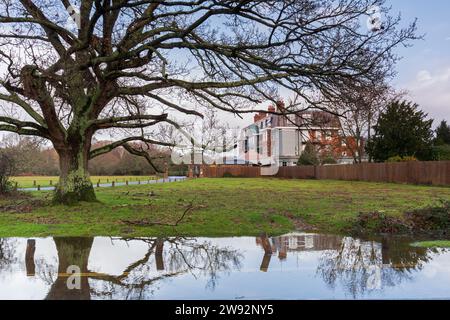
pixel 340 263
pixel 294 242
pixel 301 242
pixel 359 265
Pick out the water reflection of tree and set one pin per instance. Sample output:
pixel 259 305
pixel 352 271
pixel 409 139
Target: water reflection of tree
pixel 71 252
pixel 8 256
pixel 202 259
pixel 140 278
pixel 363 266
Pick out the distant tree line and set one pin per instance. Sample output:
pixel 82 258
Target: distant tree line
pixel 32 157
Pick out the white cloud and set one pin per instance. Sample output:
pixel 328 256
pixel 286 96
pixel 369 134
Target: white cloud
pixel 427 78
pixel 431 90
pixel 424 76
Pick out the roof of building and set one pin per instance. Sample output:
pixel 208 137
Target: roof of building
pixel 306 119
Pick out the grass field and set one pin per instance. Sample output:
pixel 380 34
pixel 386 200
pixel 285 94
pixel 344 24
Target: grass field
pixel 219 207
pixel 46 181
pixel 432 244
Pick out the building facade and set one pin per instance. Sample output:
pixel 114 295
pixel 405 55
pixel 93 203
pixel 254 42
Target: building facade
pixel 283 138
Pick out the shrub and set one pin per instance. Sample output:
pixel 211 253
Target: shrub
pixel 401 159
pixel 377 222
pixel 329 160
pixel 308 156
pixel 227 175
pixel 431 218
pixel 435 219
pixel 442 152
pixel 6 170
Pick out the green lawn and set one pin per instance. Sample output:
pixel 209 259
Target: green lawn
pixel 221 207
pixel 432 244
pixel 46 181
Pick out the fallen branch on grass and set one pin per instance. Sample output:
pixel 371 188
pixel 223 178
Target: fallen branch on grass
pixel 12 207
pixel 24 206
pixel 143 223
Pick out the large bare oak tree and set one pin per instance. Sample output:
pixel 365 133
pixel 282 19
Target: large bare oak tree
pixel 73 69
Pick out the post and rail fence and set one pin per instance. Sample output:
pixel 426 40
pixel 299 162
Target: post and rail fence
pixel 44 184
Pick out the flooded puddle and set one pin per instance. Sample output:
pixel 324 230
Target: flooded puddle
pixel 295 266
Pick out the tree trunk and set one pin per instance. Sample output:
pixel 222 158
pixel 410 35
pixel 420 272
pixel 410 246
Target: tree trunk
pixel 71 252
pixel 74 181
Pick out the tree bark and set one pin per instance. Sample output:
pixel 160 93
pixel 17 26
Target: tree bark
pixel 74 181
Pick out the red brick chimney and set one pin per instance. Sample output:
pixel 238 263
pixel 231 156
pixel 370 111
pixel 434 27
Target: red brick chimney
pixel 259 116
pixel 271 108
pixel 280 105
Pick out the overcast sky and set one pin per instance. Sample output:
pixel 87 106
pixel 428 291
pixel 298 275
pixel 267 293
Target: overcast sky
pixel 425 68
